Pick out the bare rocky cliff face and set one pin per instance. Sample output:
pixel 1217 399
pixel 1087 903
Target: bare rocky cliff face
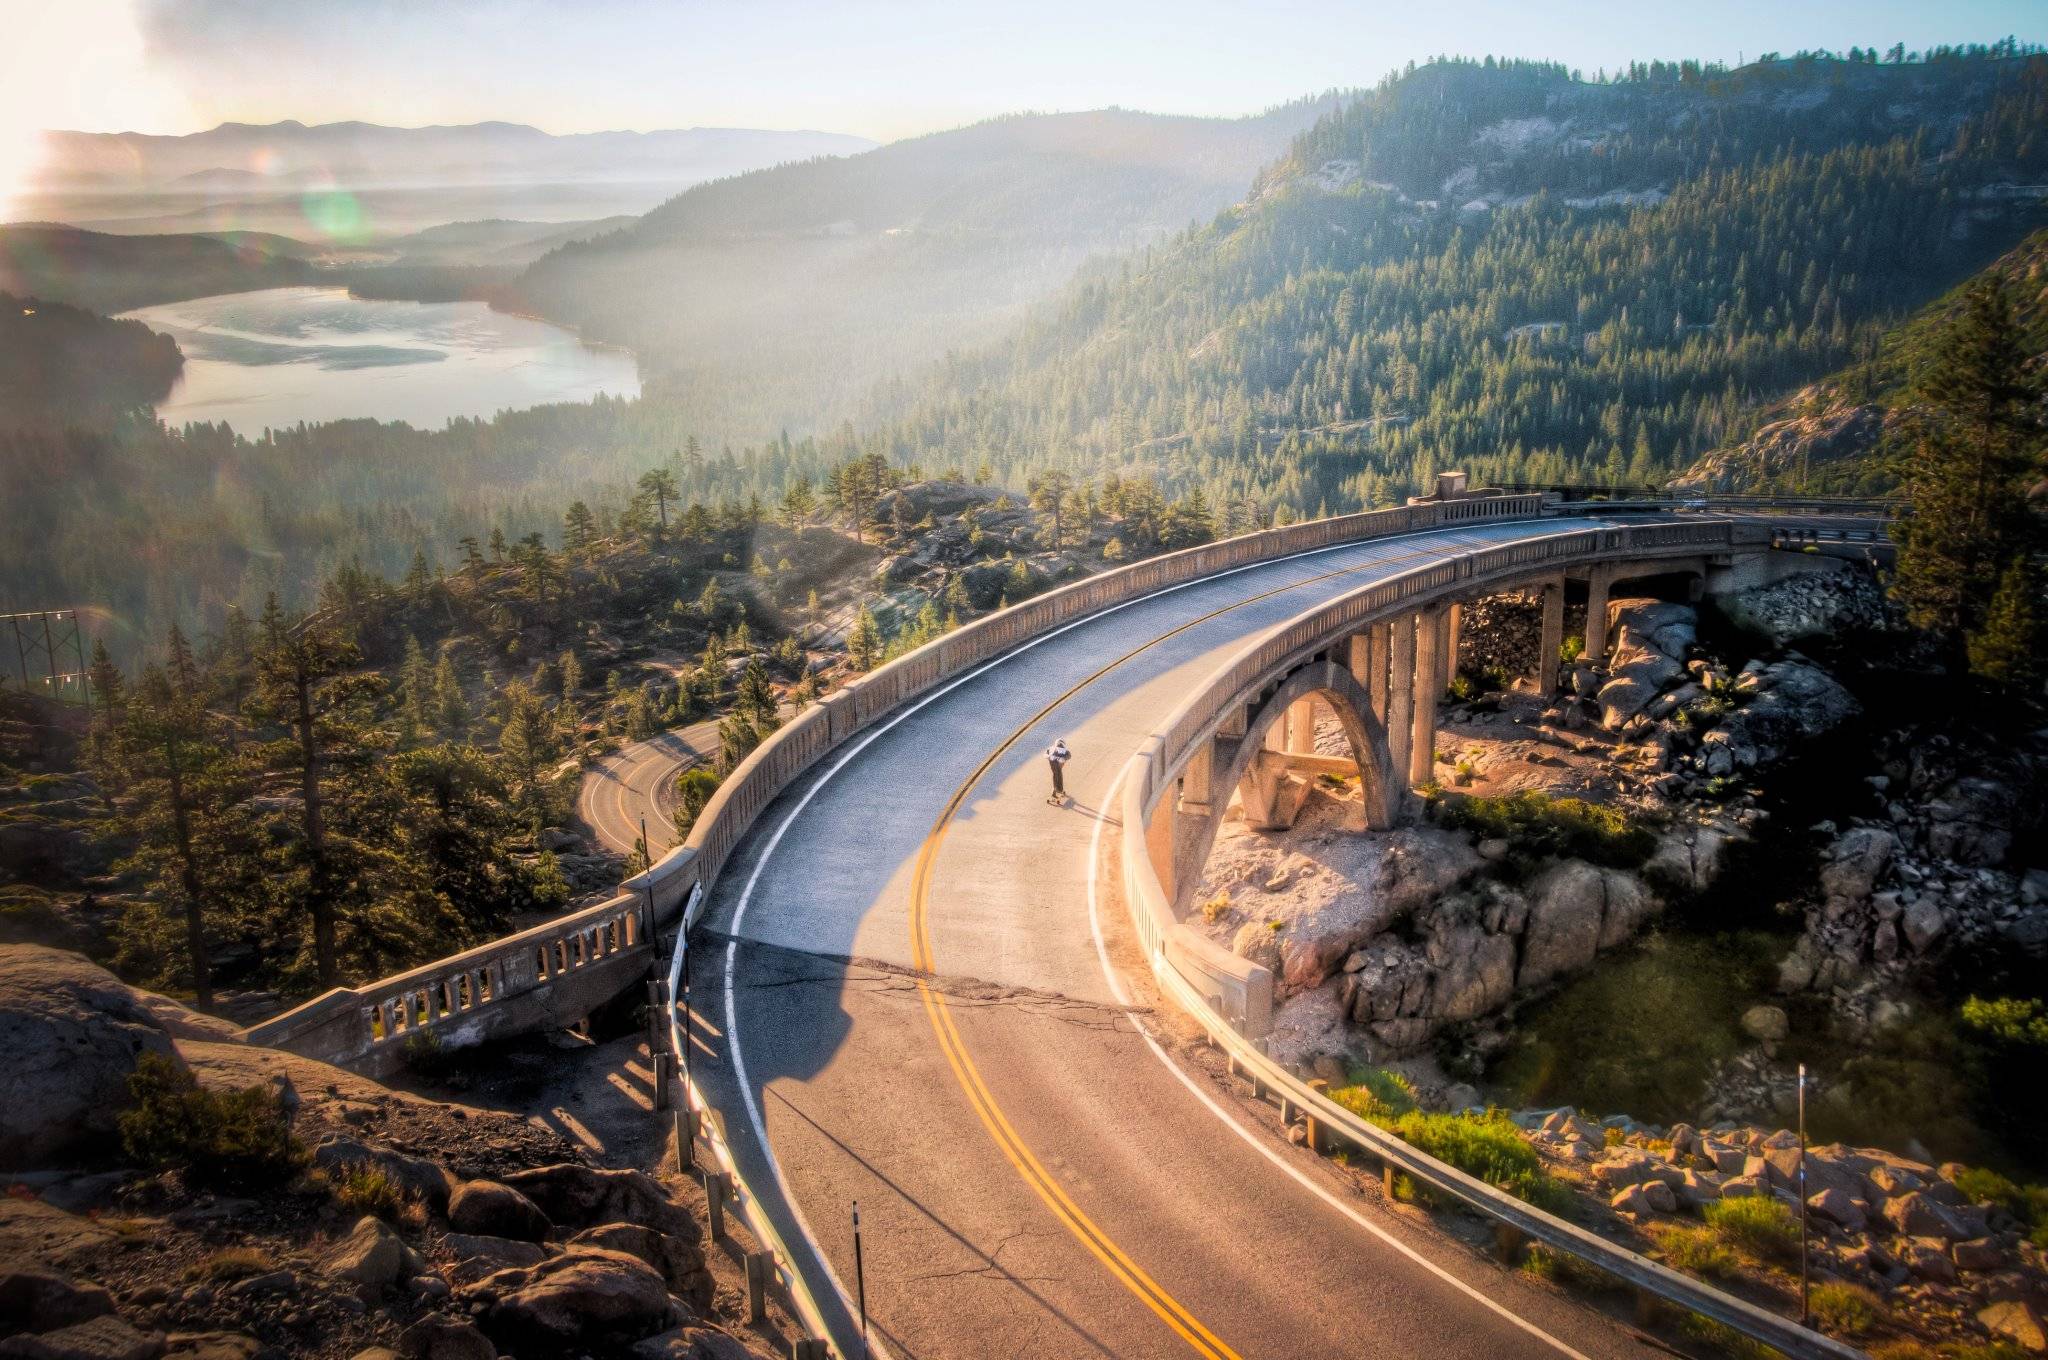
pixel 401 1227
pixel 1817 438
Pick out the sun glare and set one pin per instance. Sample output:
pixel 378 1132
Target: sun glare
pixel 80 64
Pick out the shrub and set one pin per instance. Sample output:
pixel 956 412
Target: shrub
pixel 1756 1225
pixel 1216 908
pixel 1488 1146
pixel 1724 1339
pixel 427 1058
pixel 229 1139
pixel 1845 1309
pixel 1376 1094
pixel 1536 825
pixel 1562 1268
pixel 366 1189
pixel 1697 1251
pixel 230 1263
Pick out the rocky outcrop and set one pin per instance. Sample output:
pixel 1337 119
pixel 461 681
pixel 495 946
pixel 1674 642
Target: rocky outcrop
pixel 488 1209
pixel 584 1300
pixel 1576 910
pixel 72 1033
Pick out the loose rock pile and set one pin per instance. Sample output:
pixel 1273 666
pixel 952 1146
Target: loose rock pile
pixel 1809 605
pixel 1895 1225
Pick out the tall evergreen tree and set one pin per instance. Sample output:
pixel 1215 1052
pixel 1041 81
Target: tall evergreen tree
pixel 1976 449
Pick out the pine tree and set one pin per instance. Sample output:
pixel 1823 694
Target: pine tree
pixel 2006 646
pixel 181 790
pixel 1977 447
pixel 416 690
pixel 104 679
pixel 451 712
pixel 864 642
pixel 306 683
pixel 755 698
pixel 659 485
pixel 579 529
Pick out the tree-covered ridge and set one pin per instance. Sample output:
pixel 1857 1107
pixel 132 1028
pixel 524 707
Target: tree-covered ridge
pixel 110 273
pixel 1843 435
pixel 1460 130
pixel 64 366
pixel 1339 341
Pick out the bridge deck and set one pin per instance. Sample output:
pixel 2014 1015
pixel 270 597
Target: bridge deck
pixel 920 1018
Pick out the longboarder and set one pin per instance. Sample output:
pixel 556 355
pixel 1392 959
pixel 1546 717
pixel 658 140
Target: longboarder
pixel 1056 756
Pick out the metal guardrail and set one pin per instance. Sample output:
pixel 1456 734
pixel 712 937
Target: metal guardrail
pixel 1150 775
pixel 690 1125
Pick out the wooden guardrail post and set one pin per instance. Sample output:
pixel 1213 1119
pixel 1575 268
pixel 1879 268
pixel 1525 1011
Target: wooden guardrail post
pixel 759 1264
pixel 663 1063
pixel 686 1134
pixel 808 1348
pixel 717 1189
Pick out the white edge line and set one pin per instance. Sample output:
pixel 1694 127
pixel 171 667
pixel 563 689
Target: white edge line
pixel 1260 1143
pixel 739 1066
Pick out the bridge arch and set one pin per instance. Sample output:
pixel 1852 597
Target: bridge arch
pixel 1245 761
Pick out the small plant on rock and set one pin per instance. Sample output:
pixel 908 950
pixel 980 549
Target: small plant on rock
pixel 365 1189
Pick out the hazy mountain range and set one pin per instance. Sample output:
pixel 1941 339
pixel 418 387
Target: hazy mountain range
pixel 239 157
pixel 780 297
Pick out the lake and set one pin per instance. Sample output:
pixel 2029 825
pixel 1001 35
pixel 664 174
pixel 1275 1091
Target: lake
pixel 278 356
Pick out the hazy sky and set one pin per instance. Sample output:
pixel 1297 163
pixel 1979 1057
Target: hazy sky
pixel 884 68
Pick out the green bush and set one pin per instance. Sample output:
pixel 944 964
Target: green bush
pixel 1844 1309
pixel 1536 825
pixel 1487 1146
pixel 1698 1251
pixel 227 1139
pixel 1756 1225
pixel 1376 1094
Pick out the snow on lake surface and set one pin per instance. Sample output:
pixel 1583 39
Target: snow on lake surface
pixel 272 358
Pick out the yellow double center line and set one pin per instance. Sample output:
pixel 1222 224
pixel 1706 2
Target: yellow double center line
pixel 1005 1135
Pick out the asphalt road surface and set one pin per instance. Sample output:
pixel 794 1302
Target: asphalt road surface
pixel 912 992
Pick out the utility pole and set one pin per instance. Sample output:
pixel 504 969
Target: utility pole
pixel 1804 1316
pixel 860 1281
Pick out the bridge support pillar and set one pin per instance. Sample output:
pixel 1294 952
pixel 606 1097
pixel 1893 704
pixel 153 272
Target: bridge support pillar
pixel 1269 797
pixel 1426 684
pixel 1551 643
pixel 1454 629
pixel 1379 645
pixel 1301 727
pixel 1399 716
pixel 1598 581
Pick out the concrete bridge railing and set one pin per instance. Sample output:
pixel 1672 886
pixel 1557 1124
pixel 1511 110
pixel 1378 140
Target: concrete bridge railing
pixel 1232 998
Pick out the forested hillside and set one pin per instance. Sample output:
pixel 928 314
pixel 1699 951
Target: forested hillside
pixel 114 273
pixel 1839 436
pixel 774 300
pixel 1509 269
pixel 62 366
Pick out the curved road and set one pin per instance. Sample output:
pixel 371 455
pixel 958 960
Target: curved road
pixel 912 988
pixel 639 781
